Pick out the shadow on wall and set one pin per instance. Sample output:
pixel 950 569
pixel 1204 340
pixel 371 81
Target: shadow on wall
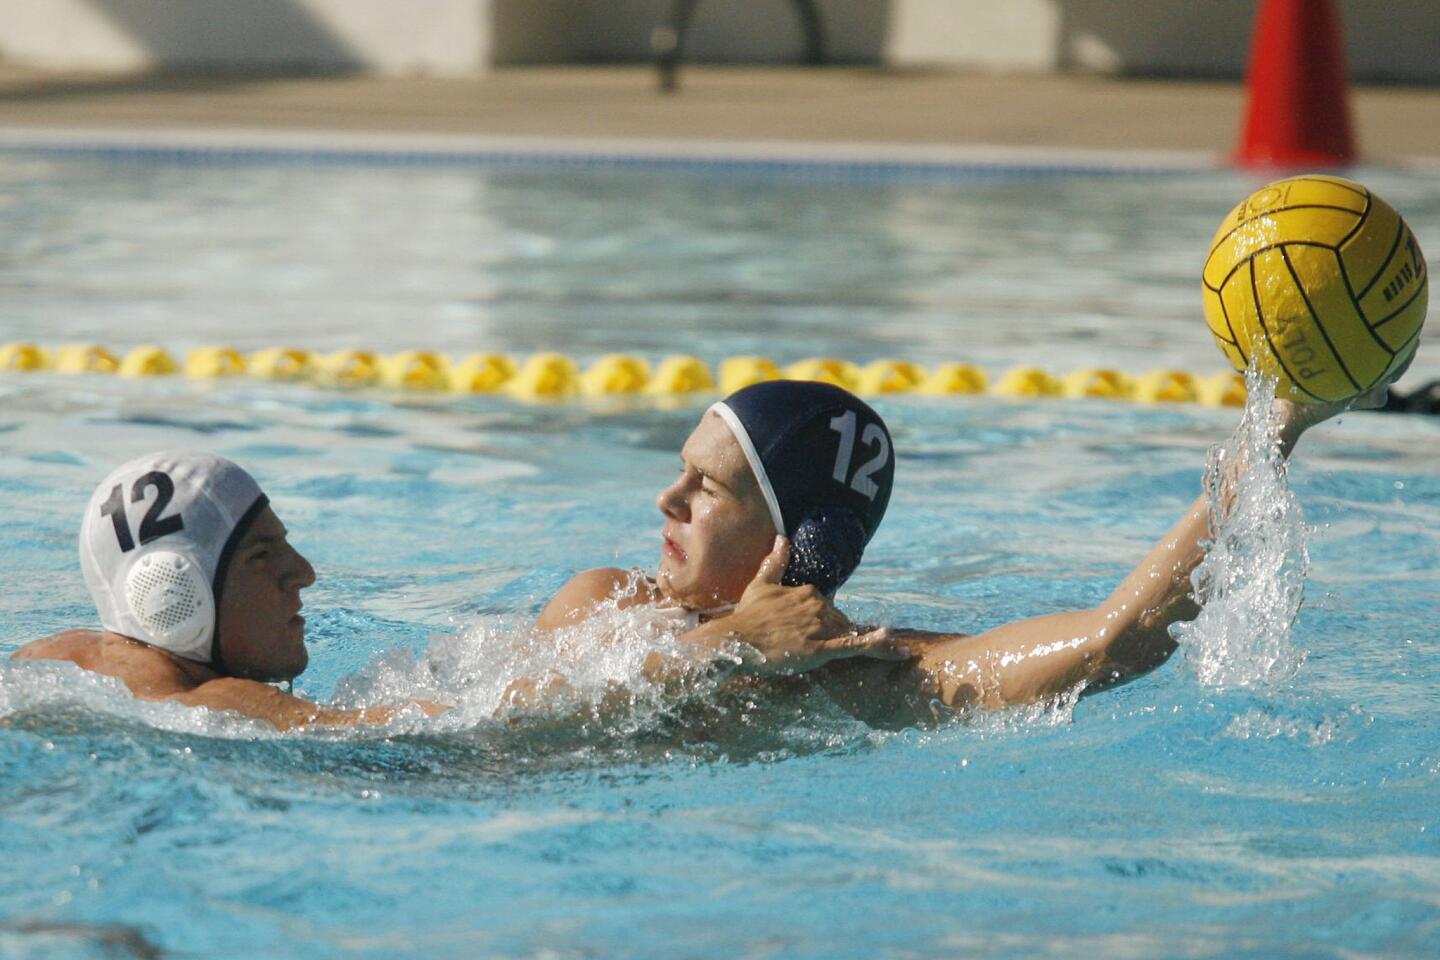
pixel 720 31
pixel 1206 40
pixel 1391 42
pixel 196 48
pixel 278 34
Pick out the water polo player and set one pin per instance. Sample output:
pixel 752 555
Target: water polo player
pixel 781 487
pixel 718 516
pixel 198 592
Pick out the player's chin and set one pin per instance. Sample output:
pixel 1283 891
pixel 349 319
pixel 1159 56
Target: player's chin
pixel 294 659
pixel 665 582
pixel 674 585
pixel 669 574
pixel 293 666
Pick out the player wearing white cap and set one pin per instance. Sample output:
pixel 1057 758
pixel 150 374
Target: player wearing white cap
pixel 198 591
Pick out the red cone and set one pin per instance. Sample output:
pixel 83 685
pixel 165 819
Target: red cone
pixel 1298 111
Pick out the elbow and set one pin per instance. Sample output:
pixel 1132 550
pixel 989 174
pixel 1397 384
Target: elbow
pixel 1134 654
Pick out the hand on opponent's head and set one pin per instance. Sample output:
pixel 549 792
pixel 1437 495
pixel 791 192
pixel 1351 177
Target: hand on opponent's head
pixel 793 629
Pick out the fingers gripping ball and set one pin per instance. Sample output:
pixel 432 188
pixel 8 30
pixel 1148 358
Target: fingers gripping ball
pixel 1322 282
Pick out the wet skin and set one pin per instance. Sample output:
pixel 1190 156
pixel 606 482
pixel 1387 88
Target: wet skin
pixel 261 638
pixel 717 527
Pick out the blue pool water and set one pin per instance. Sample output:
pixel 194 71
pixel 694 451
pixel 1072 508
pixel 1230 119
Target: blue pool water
pixel 1281 812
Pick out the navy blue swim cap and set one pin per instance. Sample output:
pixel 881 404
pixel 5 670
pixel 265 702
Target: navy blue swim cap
pixel 825 464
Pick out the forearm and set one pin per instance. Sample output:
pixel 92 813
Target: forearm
pixel 1132 634
pixel 1126 635
pixel 1158 593
pixel 281 710
pixel 1019 663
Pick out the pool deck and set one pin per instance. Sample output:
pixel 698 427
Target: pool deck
pixel 866 109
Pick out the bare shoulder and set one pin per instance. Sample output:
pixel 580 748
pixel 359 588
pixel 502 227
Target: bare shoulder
pixel 66 645
pixel 148 673
pixel 576 600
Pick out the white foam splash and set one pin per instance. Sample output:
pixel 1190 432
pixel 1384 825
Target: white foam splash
pixel 55 687
pixel 1251 583
pixel 1260 725
pixel 598 664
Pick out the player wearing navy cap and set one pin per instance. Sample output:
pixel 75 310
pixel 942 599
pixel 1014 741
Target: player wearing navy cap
pixel 801 459
pixel 823 462
pixel 198 592
pixel 781 487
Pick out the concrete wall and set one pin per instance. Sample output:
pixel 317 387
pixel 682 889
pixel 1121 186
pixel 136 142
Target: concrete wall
pixel 1017 35
pixel 434 36
pixel 1394 40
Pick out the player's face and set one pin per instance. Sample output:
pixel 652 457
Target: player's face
pixel 717 527
pixel 262 635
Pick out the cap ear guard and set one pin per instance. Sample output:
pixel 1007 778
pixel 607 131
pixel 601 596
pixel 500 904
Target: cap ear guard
pixel 825 549
pixel 169 597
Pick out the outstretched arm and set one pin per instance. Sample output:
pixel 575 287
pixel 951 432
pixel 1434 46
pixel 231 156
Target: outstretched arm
pixel 1125 636
pixel 260 701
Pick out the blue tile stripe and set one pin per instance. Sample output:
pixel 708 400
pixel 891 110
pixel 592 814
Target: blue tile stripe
pixel 819 168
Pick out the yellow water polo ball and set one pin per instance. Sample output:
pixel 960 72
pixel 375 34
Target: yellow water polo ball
pixel 1322 282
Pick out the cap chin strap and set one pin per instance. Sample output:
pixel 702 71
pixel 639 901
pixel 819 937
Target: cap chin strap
pixel 753 458
pixel 222 567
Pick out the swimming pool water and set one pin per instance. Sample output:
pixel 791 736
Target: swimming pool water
pixel 1295 816
pixel 1067 271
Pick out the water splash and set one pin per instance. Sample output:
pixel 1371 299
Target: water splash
pixel 1319 731
pixel 1251 583
pixel 497 664
pixel 62 691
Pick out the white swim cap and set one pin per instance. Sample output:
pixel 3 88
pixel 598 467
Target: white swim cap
pixel 155 544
